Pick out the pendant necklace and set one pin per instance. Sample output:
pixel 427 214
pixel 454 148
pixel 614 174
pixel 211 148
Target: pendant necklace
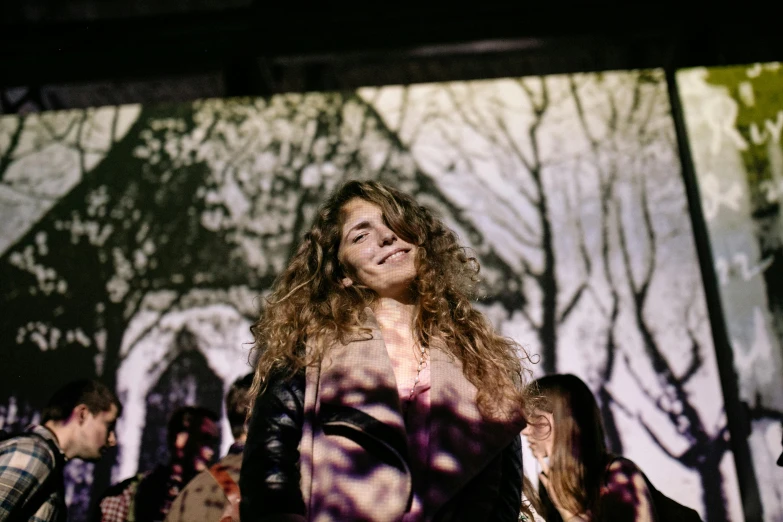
pixel 422 363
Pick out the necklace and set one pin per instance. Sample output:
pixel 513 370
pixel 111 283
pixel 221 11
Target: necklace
pixel 422 363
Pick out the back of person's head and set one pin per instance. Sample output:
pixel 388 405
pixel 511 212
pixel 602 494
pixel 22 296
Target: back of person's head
pixel 93 394
pixel 579 447
pixel 238 402
pixel 579 431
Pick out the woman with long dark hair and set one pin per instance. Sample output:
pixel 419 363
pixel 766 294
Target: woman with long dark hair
pixel 580 480
pixel 381 393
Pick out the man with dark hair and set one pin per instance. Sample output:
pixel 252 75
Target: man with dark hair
pixel 191 437
pixel 78 422
pixel 214 494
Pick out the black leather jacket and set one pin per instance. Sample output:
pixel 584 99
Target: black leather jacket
pixel 269 478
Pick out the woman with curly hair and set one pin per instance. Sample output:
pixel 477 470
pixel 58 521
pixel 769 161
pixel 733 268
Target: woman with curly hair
pixel 381 393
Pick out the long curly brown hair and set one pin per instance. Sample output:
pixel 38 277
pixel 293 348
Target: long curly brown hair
pixel 309 302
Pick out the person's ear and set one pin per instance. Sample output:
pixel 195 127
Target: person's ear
pixel 80 413
pixel 346 282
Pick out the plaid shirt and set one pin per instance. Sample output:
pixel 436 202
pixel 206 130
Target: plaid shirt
pixel 25 463
pixel 118 503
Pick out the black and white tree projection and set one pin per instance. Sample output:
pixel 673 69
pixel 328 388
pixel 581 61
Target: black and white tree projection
pixel 575 183
pixel 567 188
pixel 734 117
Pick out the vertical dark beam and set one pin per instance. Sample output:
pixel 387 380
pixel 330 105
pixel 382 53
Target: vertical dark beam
pixel 737 415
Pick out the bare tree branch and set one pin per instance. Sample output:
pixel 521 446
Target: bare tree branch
pixel 759 412
pixel 649 230
pixel 697 359
pixel 143 333
pixel 588 264
pixel 654 437
pixel 13 142
pixel 616 402
pixel 638 379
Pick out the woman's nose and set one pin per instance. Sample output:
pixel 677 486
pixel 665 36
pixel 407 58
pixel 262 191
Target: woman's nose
pixel 112 439
pixel 387 236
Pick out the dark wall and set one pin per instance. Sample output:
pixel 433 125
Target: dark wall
pixel 204 49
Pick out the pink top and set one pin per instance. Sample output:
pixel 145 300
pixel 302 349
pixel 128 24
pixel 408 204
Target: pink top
pixel 416 412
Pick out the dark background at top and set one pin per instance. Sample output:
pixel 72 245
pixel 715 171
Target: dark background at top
pixel 175 50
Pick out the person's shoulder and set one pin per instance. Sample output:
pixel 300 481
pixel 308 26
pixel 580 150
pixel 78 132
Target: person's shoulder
pixel 232 462
pixel 231 465
pixel 23 440
pixel 622 471
pixel 283 385
pixel 28 450
pixel 202 479
pixel 619 464
pixel 201 499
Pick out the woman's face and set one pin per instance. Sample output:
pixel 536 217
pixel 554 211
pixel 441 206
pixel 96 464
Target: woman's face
pixel 372 252
pixel 540 434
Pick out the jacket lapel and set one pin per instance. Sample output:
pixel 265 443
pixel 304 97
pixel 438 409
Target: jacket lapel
pixel 359 375
pixel 350 398
pixel 462 443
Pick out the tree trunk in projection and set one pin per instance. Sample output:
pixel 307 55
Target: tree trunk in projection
pixel 713 494
pixel 547 333
pixel 605 401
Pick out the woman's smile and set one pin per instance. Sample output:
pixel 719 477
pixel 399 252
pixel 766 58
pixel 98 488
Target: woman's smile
pixel 395 255
pixel 373 254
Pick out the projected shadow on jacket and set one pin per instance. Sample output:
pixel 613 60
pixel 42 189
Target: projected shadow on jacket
pixel 355 464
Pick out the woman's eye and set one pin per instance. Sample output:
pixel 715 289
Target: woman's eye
pixel 359 237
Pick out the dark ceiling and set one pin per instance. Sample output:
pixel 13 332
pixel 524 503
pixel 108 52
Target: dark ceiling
pixel 256 49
